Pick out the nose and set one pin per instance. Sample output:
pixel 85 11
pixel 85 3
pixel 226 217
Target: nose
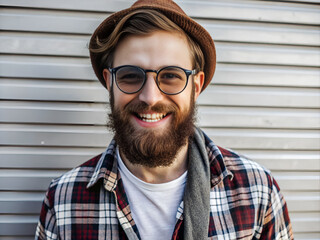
pixel 150 93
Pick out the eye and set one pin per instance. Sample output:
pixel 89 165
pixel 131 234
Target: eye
pixel 170 75
pixel 129 76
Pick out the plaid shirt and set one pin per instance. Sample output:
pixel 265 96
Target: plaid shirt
pixel 89 202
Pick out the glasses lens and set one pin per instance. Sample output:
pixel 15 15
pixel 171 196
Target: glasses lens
pixel 172 80
pixel 129 78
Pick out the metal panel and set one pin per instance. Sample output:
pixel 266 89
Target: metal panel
pixel 56 113
pixel 302 181
pixel 303 201
pixel 303 225
pixel 80 69
pixel 41 44
pixel 305 222
pixel 261 32
pixel 85 23
pixel 17 225
pixel 225 75
pixel 307 235
pixel 244 117
pixel 75 46
pixel 10 202
pixel 65 158
pixel 275 55
pixel 32 180
pixel 50 91
pixel 46 157
pixel 299 1
pixel 50 21
pixel 209 116
pixel 244 10
pixel 264 100
pixel 286 160
pixel 32 135
pixel 31 237
pixel 46 67
pixel 96 136
pixel 309 226
pixel 217 95
pixel 265 139
pixel 266 75
pixel 20 180
pixel 260 96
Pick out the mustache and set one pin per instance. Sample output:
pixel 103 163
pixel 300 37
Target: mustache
pixel 136 107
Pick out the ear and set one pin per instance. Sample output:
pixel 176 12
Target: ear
pixel 107 78
pixel 198 83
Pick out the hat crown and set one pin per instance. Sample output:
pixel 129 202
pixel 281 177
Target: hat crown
pixel 166 4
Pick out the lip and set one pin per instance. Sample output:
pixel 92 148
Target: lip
pixel 155 124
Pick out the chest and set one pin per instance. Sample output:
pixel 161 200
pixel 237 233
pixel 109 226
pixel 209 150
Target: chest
pixel 107 215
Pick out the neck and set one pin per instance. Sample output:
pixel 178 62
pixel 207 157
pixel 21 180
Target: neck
pixel 161 174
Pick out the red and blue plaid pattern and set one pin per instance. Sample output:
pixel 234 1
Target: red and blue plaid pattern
pixel 89 202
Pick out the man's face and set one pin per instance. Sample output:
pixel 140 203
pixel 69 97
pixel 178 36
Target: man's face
pixel 150 126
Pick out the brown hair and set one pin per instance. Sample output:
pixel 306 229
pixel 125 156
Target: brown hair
pixel 142 22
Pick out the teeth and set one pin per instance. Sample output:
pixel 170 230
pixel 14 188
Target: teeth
pixel 154 117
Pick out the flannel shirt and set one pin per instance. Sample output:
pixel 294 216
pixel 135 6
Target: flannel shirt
pixel 89 202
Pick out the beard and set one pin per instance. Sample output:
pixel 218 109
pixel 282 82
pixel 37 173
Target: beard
pixel 148 147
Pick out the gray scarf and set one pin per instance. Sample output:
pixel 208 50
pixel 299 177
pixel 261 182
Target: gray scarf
pixel 196 208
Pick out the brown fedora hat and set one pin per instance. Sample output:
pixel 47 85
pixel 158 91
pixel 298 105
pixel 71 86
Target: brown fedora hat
pixel 172 11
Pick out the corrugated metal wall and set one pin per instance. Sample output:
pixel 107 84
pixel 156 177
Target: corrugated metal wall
pixel 264 101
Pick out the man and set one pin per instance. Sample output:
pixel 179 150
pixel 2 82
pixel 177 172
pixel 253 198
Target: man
pixel 161 177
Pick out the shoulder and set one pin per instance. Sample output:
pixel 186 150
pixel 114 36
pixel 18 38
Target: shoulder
pixel 242 172
pixel 236 162
pixel 81 173
pixel 78 176
pixel 246 172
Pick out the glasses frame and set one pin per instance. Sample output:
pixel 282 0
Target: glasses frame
pixel 113 72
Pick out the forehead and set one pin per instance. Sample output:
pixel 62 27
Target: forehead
pixel 154 50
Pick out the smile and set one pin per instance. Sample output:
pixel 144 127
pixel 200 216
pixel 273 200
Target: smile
pixel 154 117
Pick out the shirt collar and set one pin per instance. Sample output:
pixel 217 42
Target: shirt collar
pixel 218 168
pixel 107 167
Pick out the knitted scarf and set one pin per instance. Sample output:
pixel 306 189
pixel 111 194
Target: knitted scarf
pixel 196 208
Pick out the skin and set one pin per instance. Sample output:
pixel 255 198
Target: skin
pixel 155 51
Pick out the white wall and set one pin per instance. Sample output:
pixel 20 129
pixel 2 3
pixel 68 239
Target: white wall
pixel 264 100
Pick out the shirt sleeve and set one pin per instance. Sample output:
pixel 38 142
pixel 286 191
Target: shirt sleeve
pixel 46 228
pixel 277 223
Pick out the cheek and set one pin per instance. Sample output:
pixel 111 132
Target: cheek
pixel 121 99
pixel 183 99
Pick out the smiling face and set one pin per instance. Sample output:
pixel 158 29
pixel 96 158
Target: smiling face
pixel 152 124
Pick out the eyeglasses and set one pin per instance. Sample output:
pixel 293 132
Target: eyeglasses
pixel 170 80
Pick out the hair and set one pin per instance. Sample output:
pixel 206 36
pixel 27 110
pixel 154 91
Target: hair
pixel 143 22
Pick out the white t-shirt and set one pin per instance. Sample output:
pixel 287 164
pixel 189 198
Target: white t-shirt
pixel 153 206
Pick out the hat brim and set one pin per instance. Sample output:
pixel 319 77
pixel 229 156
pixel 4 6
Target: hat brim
pixel 192 28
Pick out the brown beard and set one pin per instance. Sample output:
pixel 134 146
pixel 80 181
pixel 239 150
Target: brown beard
pixel 148 147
